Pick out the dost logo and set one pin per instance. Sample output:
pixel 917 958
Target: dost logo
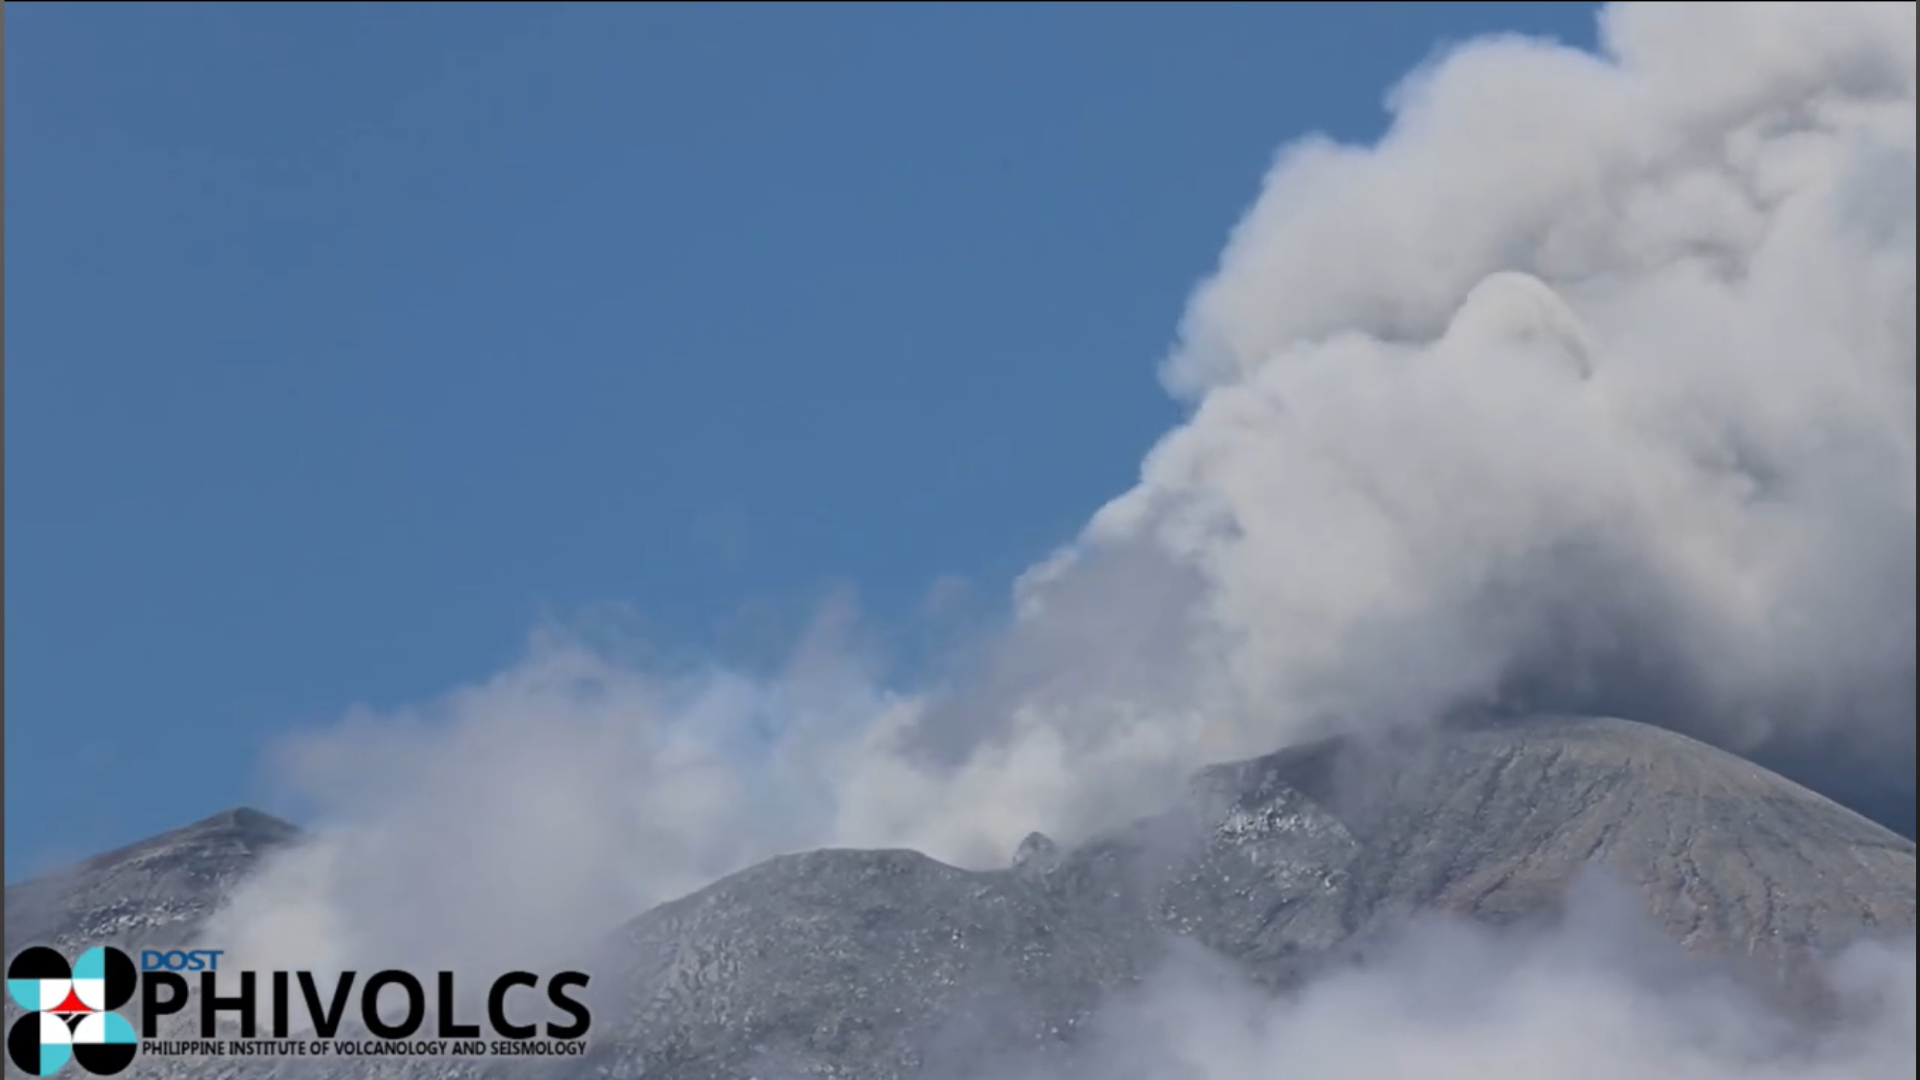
pixel 70 1011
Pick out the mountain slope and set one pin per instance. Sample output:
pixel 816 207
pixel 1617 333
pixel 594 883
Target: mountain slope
pixel 870 964
pixel 155 892
pixel 865 963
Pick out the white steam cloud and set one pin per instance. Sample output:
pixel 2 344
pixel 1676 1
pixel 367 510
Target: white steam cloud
pixel 1591 385
pixel 1599 997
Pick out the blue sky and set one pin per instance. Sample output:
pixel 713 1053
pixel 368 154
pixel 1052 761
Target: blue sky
pixel 348 342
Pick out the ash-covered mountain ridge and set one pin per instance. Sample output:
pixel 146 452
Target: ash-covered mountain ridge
pixel 889 964
pixel 155 892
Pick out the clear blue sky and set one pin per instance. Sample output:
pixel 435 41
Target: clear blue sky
pixel 345 342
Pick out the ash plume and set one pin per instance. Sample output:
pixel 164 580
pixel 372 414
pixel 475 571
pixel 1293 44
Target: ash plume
pixel 1589 387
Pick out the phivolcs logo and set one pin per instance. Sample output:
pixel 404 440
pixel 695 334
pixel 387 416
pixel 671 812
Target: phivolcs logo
pixel 70 1011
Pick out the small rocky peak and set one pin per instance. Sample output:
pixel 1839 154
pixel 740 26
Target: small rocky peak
pixel 243 826
pixel 1037 854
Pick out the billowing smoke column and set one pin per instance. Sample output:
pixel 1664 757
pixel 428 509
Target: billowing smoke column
pixel 1590 386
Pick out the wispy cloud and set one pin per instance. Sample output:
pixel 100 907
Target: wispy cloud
pixel 1598 997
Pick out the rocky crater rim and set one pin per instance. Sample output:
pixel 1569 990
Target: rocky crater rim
pixel 1315 770
pixel 1334 774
